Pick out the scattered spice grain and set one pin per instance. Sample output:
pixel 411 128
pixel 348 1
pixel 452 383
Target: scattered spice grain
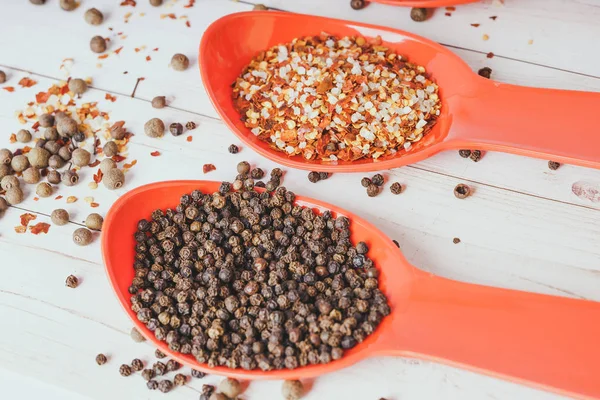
pixel 148 374
pixel 233 149
pixel 553 165
pixel 23 136
pixel 260 7
pixel 93 16
pixel 114 179
pixel 98 44
pixel 110 149
pixel 292 390
pixel 230 387
pixel 486 72
pixel 165 386
pixel 475 155
pixel 190 125
pixel 94 222
pixel 72 281
pixel 82 237
pixel 456 240
pixel 179 380
pixel 60 217
pixel 159 354
pixel 14 196
pixel 159 102
pixel 44 190
pixel 125 370
pixel 396 188
pixel 176 129
pixel 198 374
pixel 418 14
pixel 101 359
pixel 462 191
pixel 31 175
pixel 180 62
pixel 136 336
pixel 313 177
pixel 377 179
pixel 154 128
pixel 137 365
pixel 78 86
pixel 68 5
pixel 152 385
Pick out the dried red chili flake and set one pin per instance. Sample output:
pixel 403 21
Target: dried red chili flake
pixel 103 56
pixel 27 218
pixel 448 14
pixel 493 17
pixel 155 49
pixel 12 138
pixel 36 199
pixel 171 15
pixel 110 97
pixel 208 167
pixel 40 227
pixel 189 139
pixel 187 23
pixel 36 126
pixel 129 165
pixel 9 88
pixel 117 51
pixel 450 8
pixel 475 25
pixel 20 229
pixel 125 72
pixel 155 153
pixel 94 205
pixel 98 176
pixel 137 49
pixel 27 82
pixel 128 3
pixel 118 158
pixel 490 55
pixel 190 4
pixel 148 58
pixel 26 150
pixel 58 197
pixel 94 164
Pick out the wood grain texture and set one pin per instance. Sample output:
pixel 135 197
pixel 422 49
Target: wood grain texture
pixel 522 229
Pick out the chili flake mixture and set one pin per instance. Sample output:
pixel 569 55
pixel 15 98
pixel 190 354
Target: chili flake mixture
pixel 329 99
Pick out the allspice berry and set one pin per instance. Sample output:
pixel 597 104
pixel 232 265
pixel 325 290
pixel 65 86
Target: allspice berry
pixel 180 62
pixel 98 44
pixel 243 167
pixel 68 5
pixel 154 128
pixel 51 133
pixel 260 7
pixel 59 217
pixel 3 205
pixel 218 396
pixel 54 176
pixel 59 115
pixel 230 387
pixel 5 170
pixel 81 157
pixel 31 175
pixel 70 178
pixel 19 163
pixel 71 281
pixel 156 3
pixel 67 127
pixel 94 221
pixel 38 157
pixel 46 120
pixel 14 195
pixel 65 153
pixel 52 146
pixel 292 390
pixel 418 14
pixel 93 16
pixel 462 191
pixel 44 189
pixel 56 162
pixel 23 136
pixel 107 164
pixel 110 149
pixel 2 76
pixel 9 182
pixel 5 156
pixel 78 86
pixel 159 102
pixel 82 237
pixel 118 132
pixel 136 336
pixel 114 179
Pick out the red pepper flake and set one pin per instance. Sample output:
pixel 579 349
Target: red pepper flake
pixel 118 158
pixel 490 55
pixel 129 165
pixel 155 153
pixel 190 4
pixel 187 23
pixel 20 229
pixel 36 126
pixel 189 139
pixel 448 14
pixel 137 49
pixel 26 150
pixel 36 198
pixel 208 167
pixel 30 103
pixel 117 51
pixel 103 56
pixel 108 96
pixel 475 25
pixel 172 16
pixel 451 8
pixel 27 218
pixel 94 205
pixel 128 3
pixel 9 88
pixel 58 197
pixel 13 138
pixel 27 82
pixel 40 227
pixel 98 176
pixel 493 17
pixel 148 58
pixel 155 49
pixel 94 164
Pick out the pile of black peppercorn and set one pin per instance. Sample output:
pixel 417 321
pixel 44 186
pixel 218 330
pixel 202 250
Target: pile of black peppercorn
pixel 250 280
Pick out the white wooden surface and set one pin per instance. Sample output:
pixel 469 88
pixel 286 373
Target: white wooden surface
pixel 522 229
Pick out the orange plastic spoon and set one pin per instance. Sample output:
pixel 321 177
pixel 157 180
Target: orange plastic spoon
pixel 544 341
pixel 477 113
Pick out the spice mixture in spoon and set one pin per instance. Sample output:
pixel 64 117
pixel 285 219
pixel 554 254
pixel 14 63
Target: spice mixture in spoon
pixel 329 99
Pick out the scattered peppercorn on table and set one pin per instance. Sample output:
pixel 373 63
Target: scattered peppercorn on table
pixel 127 73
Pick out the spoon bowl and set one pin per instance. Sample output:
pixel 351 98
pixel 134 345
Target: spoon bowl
pixel 476 113
pixel 544 341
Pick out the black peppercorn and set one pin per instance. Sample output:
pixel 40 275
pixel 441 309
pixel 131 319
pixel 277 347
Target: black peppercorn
pixel 233 149
pixel 323 175
pixel 72 281
pixel 148 374
pixel 372 190
pixel 137 365
pixel 396 188
pixel 125 370
pixel 165 386
pixel 464 153
pixel 257 173
pixel 377 179
pixel 176 129
pixel 101 359
pixel 173 365
pixel 179 380
pixel 313 177
pixel 198 374
pixel 462 191
pixel 365 182
pixel 553 165
pixel 152 385
pixel 486 72
pixel 475 155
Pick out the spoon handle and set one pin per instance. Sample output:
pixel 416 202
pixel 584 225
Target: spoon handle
pixel 545 341
pixel 558 125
